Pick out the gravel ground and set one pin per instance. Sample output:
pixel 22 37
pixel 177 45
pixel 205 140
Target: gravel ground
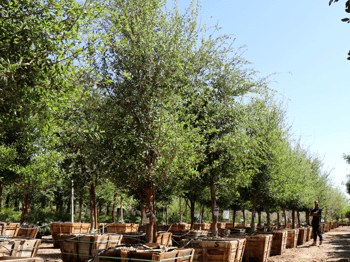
pixel 336 248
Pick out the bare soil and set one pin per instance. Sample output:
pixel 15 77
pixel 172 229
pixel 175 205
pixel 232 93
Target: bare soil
pixel 336 248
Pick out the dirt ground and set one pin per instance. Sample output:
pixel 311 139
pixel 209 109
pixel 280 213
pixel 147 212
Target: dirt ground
pixel 336 248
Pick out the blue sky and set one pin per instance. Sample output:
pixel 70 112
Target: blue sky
pixel 308 39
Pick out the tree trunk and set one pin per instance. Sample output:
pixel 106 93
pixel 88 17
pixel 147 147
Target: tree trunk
pixel 80 207
pixel 307 213
pixel 243 213
pixel 293 218
pixel 259 217
pixel 213 203
pixel 268 217
pixel 113 208
pixel 252 223
pixel 154 220
pixel 234 217
pixel 285 218
pixel 192 212
pixel 166 214
pixel 298 216
pixel 278 219
pixel 121 210
pixel 1 188
pixel 180 210
pixel 202 214
pixel 186 211
pixel 93 206
pixel 150 225
pixel 25 204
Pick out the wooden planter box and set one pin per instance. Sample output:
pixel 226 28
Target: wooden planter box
pixel 202 226
pixel 78 248
pixel 231 225
pixel 279 241
pixel 215 249
pixel 9 229
pixel 308 234
pixel 326 227
pixel 180 227
pixel 292 238
pixel 21 259
pixel 257 247
pixel 189 235
pixel 20 247
pixel 163 227
pixel 183 255
pixel 122 228
pixel 29 231
pixel 219 224
pixel 302 236
pixel 237 231
pixel 67 228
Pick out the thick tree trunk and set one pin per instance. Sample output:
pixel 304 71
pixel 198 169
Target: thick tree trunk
pixel 93 206
pixel 307 213
pixel 192 212
pixel 121 210
pixel 213 203
pixel 298 216
pixel 25 204
pixel 285 217
pixel 259 217
pixel 278 219
pixel 154 220
pixel 293 218
pixel 268 217
pixel 80 207
pixel 150 225
pixel 1 189
pixel 180 210
pixel 113 208
pixel 252 224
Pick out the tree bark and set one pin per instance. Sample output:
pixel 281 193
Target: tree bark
pixel 186 211
pixel 80 207
pixel 180 210
pixel 268 217
pixel 154 220
pixel 192 212
pixel 1 189
pixel 25 204
pixel 252 224
pixel 243 213
pixel 278 219
pixel 150 225
pixel 259 217
pixel 121 210
pixel 307 213
pixel 202 214
pixel 166 214
pixel 298 216
pixel 293 218
pixel 234 217
pixel 113 208
pixel 93 206
pixel 285 218
pixel 213 203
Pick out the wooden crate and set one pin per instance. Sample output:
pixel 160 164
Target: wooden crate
pixel 292 238
pixel 122 228
pixel 201 226
pixel 257 248
pixel 67 228
pixel 21 259
pixel 20 247
pixel 219 224
pixel 29 231
pixel 326 227
pixel 279 241
pixel 9 229
pixel 308 235
pixel 189 235
pixel 214 249
pixel 78 248
pixel 302 236
pixel 179 255
pixel 179 227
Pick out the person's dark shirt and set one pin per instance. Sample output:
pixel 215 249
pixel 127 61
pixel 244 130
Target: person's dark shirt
pixel 316 221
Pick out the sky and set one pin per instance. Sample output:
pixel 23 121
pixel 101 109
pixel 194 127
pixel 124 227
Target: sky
pixel 306 45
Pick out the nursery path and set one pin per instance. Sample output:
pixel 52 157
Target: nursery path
pixel 336 248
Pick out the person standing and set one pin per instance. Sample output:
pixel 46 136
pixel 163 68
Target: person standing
pixel 316 223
